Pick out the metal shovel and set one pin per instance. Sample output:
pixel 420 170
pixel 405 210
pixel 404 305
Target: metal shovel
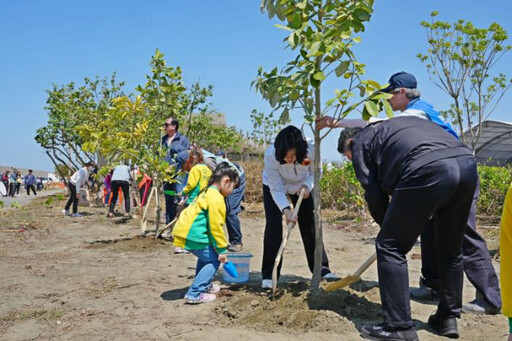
pixel 283 243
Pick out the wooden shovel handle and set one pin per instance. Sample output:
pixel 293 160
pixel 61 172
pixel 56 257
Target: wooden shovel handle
pixel 289 228
pixel 365 265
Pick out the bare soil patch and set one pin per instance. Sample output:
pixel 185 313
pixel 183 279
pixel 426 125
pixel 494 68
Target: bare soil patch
pixel 94 278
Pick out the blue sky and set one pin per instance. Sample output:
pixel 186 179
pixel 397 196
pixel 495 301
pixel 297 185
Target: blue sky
pixel 216 42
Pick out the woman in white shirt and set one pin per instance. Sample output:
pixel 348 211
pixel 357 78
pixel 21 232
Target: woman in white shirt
pixel 75 184
pixel 288 169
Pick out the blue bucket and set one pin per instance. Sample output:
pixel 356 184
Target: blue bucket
pixel 242 262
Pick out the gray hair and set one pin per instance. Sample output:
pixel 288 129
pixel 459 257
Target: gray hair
pixel 412 93
pixel 409 93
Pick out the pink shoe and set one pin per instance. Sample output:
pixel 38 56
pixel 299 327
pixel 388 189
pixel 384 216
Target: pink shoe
pixel 203 298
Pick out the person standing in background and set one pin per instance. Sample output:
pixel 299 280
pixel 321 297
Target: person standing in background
pixel 30 182
pixel 176 145
pixel 12 184
pixel 18 183
pixel 5 181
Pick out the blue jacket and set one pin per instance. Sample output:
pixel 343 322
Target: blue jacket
pixel 30 179
pixel 178 152
pixel 433 115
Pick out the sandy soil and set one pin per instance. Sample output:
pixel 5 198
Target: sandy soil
pixel 94 278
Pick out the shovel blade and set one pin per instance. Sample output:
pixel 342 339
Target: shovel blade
pixel 342 283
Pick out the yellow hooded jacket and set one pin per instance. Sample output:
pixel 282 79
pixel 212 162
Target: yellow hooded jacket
pixel 200 224
pixel 506 256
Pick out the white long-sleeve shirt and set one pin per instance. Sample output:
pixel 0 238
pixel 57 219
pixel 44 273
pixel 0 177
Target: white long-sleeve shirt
pixel 79 178
pixel 287 178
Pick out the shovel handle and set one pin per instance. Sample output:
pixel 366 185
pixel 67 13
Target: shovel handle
pixel 279 255
pixel 365 265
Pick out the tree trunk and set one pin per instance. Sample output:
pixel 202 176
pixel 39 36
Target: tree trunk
pixel 459 119
pixel 158 211
pixel 319 242
pixel 57 168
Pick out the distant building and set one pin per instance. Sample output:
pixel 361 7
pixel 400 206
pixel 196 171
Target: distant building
pixel 494 148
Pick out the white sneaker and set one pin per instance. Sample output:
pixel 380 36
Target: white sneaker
pixel 331 276
pixel 66 213
pixel 77 215
pixel 178 249
pixel 166 235
pixel 266 284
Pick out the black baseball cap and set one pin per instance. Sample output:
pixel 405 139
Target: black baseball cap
pixel 401 80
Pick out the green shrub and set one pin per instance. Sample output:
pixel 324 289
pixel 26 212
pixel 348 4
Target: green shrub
pixel 341 189
pixel 253 181
pixel 1 204
pixel 48 201
pixel 494 182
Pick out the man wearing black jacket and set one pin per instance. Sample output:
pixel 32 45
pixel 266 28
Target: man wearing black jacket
pixel 412 169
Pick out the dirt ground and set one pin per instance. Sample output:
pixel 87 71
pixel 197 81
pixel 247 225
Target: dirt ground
pixel 94 278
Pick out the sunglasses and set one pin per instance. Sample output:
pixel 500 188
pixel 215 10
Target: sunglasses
pixel 166 125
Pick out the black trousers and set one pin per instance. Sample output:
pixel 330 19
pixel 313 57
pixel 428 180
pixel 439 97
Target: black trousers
pixel 125 186
pixel 477 261
pixel 444 189
pixel 72 198
pixel 274 233
pixel 18 185
pixel 11 190
pixel 31 187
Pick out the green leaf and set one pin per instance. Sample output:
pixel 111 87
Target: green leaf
pixel 285 116
pixel 388 109
pixel 309 119
pixel 296 20
pixel 293 39
pixel 361 14
pixel 283 27
pixel 365 114
pixel 342 68
pixel 372 108
pixel 319 76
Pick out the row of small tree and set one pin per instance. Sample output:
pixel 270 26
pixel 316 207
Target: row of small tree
pixel 99 119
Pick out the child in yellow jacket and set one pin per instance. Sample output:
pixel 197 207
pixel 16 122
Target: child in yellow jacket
pixel 198 174
pixel 506 259
pixel 199 230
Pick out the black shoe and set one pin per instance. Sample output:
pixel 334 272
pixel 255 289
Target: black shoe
pixel 444 326
pixel 424 292
pixel 379 332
